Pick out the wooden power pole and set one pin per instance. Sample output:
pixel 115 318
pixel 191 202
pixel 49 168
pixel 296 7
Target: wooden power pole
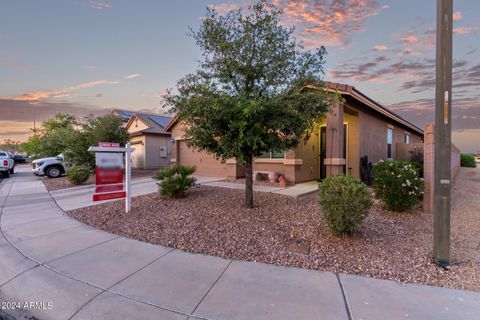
pixel 443 133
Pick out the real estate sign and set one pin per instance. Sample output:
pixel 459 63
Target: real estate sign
pixel 108 176
pixel 109 171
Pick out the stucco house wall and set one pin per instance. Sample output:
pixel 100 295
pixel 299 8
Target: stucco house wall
pixel 367 126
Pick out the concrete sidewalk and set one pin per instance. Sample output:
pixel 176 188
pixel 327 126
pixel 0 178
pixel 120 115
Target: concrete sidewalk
pixel 78 272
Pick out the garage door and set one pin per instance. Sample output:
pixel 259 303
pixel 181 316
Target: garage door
pixel 206 164
pixel 138 156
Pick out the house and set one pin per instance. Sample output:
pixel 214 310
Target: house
pixel 355 128
pixel 148 137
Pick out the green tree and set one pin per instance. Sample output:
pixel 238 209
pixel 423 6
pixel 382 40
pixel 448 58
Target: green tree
pixel 107 128
pixel 32 146
pixel 59 121
pixel 54 137
pixel 249 95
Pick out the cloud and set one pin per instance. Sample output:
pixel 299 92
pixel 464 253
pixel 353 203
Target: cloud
pixel 328 22
pixel 17 115
pixel 132 76
pixel 14 64
pixel 99 5
pixel 223 8
pixel 61 92
pixel 457 16
pixel 89 67
pixel 465 30
pixel 321 22
pixel 380 47
pixel 465 113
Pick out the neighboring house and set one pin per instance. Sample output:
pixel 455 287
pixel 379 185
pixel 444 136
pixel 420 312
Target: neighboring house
pixel 356 128
pixel 148 137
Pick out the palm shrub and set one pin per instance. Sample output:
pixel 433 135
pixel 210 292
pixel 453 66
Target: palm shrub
pixel 175 180
pixel 78 175
pixel 467 160
pixel 345 203
pixel 397 184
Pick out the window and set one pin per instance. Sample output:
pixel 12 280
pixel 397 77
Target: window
pixel 389 142
pixel 407 139
pixel 273 155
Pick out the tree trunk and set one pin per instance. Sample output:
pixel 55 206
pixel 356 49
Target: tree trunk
pixel 249 182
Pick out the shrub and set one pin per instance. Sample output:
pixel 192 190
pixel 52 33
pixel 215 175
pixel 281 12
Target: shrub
pixel 467 160
pixel 78 175
pixel 398 184
pixel 345 203
pixel 175 180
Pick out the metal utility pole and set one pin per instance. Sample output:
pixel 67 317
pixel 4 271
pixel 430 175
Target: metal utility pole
pixel 443 133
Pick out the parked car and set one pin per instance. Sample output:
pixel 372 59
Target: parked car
pixel 7 165
pixel 52 167
pixel 18 158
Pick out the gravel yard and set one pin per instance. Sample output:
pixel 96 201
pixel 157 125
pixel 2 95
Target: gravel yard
pixel 63 183
pixel 288 231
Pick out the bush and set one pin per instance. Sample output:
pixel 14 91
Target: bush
pixel 345 202
pixel 398 184
pixel 175 180
pixel 78 175
pixel 467 160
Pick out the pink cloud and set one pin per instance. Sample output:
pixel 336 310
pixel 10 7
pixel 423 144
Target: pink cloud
pixel 457 16
pixel 223 8
pixel 328 22
pixel 132 76
pixel 99 5
pixel 465 30
pixel 60 92
pixel 380 47
pixel 321 22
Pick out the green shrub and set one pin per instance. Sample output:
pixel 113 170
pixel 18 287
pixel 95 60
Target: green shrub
pixel 397 184
pixel 175 180
pixel 345 203
pixel 78 175
pixel 467 160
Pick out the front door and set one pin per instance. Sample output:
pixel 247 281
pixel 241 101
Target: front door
pixel 323 150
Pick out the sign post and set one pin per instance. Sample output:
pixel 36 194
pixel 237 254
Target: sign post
pixel 109 172
pixel 443 134
pixel 128 177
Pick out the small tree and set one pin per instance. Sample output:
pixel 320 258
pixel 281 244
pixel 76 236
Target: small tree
pixel 248 96
pixel 107 128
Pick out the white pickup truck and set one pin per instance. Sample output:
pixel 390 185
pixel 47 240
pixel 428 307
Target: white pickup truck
pixel 52 167
pixel 6 164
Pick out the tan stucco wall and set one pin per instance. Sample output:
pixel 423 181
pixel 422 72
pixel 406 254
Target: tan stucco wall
pixel 373 137
pixel 153 142
pixel 136 125
pixel 367 135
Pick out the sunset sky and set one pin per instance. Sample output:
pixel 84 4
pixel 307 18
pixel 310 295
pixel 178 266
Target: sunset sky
pixel 82 56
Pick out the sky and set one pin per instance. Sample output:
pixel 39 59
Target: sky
pixel 86 56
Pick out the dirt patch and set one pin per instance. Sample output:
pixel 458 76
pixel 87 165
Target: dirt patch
pixel 286 231
pixel 63 183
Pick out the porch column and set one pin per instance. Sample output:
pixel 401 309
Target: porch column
pixel 335 159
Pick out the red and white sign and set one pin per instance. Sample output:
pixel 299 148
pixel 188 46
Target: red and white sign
pixel 109 144
pixel 109 172
pixel 108 176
